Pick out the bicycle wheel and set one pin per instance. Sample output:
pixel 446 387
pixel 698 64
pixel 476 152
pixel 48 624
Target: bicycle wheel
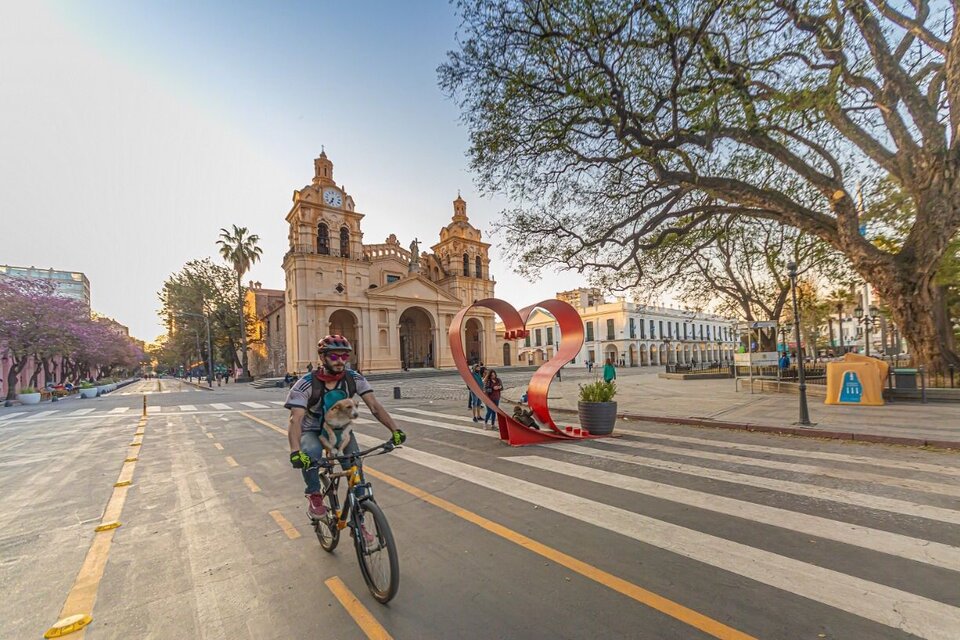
pixel 376 551
pixel 326 527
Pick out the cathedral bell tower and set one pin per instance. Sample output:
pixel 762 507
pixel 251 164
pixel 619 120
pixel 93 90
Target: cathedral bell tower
pixel 323 170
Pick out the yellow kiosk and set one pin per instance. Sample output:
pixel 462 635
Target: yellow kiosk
pixel 856 380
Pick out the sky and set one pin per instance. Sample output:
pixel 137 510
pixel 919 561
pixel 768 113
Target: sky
pixel 131 133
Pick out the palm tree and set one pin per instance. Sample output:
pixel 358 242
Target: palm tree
pixel 240 250
pixel 841 300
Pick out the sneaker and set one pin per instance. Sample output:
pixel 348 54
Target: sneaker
pixel 316 508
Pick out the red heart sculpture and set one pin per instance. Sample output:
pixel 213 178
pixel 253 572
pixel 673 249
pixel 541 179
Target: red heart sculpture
pixel 571 340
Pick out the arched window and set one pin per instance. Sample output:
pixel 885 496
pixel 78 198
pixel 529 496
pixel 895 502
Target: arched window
pixel 466 265
pixel 323 239
pixel 479 271
pixel 344 242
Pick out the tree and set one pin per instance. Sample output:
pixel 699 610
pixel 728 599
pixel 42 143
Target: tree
pixel 240 250
pixel 622 125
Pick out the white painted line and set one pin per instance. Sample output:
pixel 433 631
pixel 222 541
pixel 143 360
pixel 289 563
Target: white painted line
pixel 821 455
pixel 885 605
pixel 11 416
pixel 221 406
pixel 82 412
pixel 254 405
pixel 44 414
pixel 277 402
pixel 119 410
pixel 153 409
pixel 842 496
pixel 933 553
pixel 780 465
pixel 187 407
pixel 477 430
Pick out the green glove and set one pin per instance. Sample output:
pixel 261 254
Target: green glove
pixel 299 460
pixel 399 437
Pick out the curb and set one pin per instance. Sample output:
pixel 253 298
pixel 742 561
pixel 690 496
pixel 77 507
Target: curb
pixel 792 431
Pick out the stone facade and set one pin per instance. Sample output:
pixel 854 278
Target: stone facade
pixel 393 303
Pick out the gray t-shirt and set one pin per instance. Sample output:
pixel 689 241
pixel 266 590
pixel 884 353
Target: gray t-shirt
pixel 299 396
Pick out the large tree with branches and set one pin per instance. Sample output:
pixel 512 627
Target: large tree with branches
pixel 620 125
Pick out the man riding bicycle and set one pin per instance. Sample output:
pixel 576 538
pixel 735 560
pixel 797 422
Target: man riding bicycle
pixel 309 400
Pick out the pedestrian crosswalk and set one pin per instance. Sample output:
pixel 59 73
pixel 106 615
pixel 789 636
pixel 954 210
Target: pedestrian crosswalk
pixel 92 412
pixel 896 513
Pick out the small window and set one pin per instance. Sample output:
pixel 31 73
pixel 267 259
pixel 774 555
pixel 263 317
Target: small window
pixel 539 341
pixel 392 278
pixel 344 242
pixel 526 341
pixel 466 265
pixel 633 329
pixel 610 331
pixel 549 335
pixel 590 331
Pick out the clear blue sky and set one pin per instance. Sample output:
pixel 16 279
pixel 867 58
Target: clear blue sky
pixel 132 133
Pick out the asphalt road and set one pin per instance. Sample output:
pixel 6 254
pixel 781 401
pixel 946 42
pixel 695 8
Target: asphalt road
pixel 666 532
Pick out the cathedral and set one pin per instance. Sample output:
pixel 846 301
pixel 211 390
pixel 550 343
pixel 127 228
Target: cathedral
pixel 394 303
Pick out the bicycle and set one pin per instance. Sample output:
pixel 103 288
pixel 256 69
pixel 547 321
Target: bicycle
pixel 362 514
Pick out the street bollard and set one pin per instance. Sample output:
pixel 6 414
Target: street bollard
pixel 923 385
pixel 144 406
pixel 396 393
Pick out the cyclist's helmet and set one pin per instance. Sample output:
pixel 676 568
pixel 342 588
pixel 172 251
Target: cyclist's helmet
pixel 334 343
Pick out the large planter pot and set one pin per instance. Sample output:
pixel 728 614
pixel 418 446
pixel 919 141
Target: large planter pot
pixel 28 398
pixel 88 393
pixel 598 418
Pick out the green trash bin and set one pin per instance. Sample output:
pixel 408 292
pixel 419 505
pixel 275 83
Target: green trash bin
pixel 905 378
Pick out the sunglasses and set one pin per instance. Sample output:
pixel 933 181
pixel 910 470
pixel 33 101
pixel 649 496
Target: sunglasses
pixel 333 356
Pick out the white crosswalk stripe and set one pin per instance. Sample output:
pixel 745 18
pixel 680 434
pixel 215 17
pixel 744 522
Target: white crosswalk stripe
pixel 277 402
pixel 220 406
pixel 187 407
pixel 119 410
pixel 786 486
pixel 11 416
pixel 934 553
pixel 153 408
pixel 44 414
pixel 883 604
pixel 254 405
pixel 82 412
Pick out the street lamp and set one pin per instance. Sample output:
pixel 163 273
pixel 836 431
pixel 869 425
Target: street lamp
pixel 840 320
pixel 784 331
pixel 804 412
pixel 666 341
pixel 206 319
pixel 867 321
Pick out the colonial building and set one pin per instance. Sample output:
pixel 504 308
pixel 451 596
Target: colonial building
pixel 627 333
pixel 264 340
pixel 394 304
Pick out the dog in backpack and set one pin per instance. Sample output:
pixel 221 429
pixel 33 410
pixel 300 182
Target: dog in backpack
pixel 340 416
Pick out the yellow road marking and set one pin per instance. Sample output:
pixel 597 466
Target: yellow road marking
pixel 360 614
pixel 286 525
pixel 655 601
pixel 209 435
pixel 232 462
pixel 83 594
pixel 251 484
pixel 218 445
pixel 264 423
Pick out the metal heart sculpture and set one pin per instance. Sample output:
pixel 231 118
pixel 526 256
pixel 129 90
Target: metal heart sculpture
pixel 571 340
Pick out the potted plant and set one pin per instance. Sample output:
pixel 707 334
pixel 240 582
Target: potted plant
pixel 29 395
pixel 598 411
pixel 87 390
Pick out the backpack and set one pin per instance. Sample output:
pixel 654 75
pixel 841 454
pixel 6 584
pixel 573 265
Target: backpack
pixel 318 389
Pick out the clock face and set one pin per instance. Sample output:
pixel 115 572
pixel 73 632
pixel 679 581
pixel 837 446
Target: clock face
pixel 332 197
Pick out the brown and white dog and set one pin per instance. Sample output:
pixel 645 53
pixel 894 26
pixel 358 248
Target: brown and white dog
pixel 340 416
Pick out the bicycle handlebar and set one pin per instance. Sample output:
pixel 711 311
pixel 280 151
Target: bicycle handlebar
pixel 329 461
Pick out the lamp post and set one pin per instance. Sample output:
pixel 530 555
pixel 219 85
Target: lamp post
pixel 840 320
pixel 804 412
pixel 206 319
pixel 666 341
pixel 784 332
pixel 867 321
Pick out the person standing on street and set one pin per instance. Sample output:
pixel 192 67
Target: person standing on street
pixel 609 371
pixel 493 387
pixel 477 402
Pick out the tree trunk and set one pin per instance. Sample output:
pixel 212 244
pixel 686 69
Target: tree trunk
pixel 243 329
pixel 16 365
pixel 915 303
pixel 37 368
pixel 47 377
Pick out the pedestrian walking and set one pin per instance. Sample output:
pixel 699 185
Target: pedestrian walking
pixel 609 371
pixel 493 387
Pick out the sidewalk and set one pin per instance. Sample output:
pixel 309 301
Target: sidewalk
pixel 644 396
